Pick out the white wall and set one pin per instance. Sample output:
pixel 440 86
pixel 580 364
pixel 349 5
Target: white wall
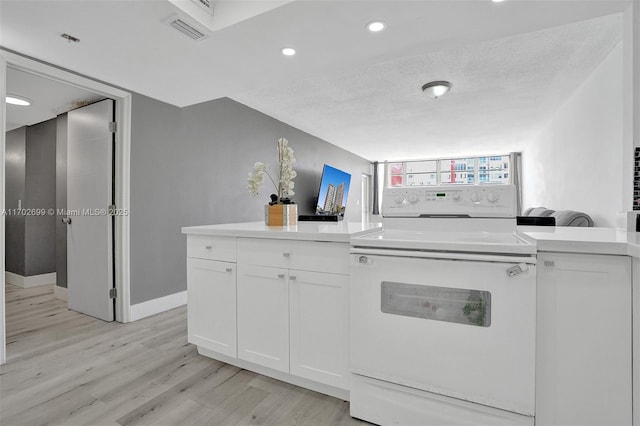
pixel 576 162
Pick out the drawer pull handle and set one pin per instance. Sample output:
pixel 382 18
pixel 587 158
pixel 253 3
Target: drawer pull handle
pixel 285 254
pixel 280 275
pixel 229 269
pixel 208 247
pixel 292 277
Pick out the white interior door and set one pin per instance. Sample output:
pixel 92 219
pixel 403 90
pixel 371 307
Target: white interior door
pixel 89 193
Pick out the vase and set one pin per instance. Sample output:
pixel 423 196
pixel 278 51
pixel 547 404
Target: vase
pixel 281 214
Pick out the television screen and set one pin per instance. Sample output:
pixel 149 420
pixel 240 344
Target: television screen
pixel 334 187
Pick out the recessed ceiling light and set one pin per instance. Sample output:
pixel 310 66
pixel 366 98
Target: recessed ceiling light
pixel 376 26
pixel 435 89
pixel 497 1
pixel 288 51
pixel 17 100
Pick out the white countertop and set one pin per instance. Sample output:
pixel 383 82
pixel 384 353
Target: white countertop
pixel 583 240
pixel 311 231
pixel 546 238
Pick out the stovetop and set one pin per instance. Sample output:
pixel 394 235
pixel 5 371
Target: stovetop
pixel 477 242
pixel 462 219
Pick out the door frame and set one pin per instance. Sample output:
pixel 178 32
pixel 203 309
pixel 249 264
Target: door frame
pixel 122 173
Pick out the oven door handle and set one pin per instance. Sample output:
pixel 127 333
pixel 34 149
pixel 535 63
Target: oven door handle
pixel 481 257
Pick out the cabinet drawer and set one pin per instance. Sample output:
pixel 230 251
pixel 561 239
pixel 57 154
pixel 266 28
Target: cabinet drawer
pixel 302 255
pixel 210 247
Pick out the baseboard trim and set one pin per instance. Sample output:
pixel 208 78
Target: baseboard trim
pixel 60 293
pixel 156 306
pixel 30 281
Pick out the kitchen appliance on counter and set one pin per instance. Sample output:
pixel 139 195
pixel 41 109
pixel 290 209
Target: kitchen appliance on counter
pixel 443 310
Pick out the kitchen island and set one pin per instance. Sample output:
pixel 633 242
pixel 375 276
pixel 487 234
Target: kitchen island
pixel 274 300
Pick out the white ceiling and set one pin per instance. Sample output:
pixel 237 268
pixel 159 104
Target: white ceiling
pixel 511 63
pixel 49 98
pixel 504 91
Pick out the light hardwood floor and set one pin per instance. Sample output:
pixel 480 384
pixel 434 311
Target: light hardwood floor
pixel 66 368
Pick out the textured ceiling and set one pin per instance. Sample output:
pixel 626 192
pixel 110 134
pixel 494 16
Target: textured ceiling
pixel 511 63
pixel 504 90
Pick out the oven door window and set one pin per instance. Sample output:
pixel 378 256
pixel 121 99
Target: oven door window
pixel 456 305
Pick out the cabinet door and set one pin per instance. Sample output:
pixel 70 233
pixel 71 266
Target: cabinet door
pixel 212 305
pixel 320 327
pixel 583 362
pixel 263 316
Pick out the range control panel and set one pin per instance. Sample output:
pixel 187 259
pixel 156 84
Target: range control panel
pixel 472 201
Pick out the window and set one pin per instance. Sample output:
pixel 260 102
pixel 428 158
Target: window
pixel 493 169
pixel 396 174
pixel 458 171
pixel 450 171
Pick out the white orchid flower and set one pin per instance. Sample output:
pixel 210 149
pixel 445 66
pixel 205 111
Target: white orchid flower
pixel 286 174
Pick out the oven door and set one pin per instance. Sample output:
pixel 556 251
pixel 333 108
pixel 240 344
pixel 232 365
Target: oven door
pixel 462 327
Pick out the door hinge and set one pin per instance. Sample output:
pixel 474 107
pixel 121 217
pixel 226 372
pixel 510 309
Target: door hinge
pixel 111 209
pixel 113 126
pixel 113 293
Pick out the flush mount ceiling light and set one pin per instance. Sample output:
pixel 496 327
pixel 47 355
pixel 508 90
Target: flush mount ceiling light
pixel 497 1
pixel 288 51
pixel 376 26
pixel 17 100
pixel 435 89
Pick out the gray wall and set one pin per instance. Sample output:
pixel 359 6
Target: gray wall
pixel 40 193
pixel 30 240
pixel 61 200
pixel 15 154
pixel 189 167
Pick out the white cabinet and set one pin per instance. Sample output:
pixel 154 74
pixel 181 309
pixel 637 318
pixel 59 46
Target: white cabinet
pixel 292 314
pixel 636 341
pixel 319 304
pixel 211 302
pixel 263 316
pixel 583 362
pixel 279 307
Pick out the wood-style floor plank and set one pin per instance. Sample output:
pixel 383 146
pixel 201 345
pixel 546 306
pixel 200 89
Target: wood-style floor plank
pixel 65 368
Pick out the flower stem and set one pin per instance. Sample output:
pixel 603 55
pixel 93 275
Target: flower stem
pixel 273 182
pixel 280 158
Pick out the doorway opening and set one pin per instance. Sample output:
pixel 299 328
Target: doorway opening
pixel 121 161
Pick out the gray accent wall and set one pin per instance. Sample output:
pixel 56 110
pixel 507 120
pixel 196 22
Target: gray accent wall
pixel 61 200
pixel 40 193
pixel 189 167
pixel 157 184
pixel 31 177
pixel 15 153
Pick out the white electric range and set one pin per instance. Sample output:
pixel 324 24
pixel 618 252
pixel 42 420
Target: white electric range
pixel 443 311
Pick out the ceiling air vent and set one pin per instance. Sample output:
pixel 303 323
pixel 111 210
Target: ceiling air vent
pixel 205 4
pixel 187 28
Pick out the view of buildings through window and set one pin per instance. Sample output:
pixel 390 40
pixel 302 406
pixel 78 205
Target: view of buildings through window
pixel 450 171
